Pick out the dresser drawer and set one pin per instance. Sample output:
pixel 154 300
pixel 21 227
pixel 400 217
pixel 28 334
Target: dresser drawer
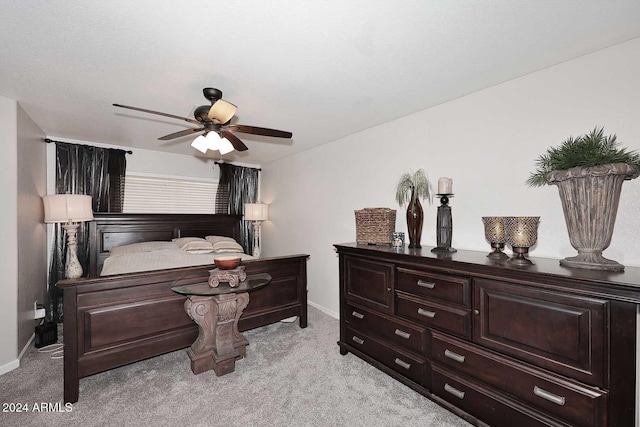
pixel 486 404
pixel 429 313
pixel 566 399
pixel 561 332
pixel 411 366
pixel 392 329
pixel 456 289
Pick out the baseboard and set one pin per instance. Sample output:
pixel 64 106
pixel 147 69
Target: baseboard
pixel 324 310
pixel 27 346
pixel 16 363
pixel 9 366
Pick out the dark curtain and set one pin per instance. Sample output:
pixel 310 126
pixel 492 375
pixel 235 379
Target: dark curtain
pixel 238 185
pixel 117 168
pixel 82 169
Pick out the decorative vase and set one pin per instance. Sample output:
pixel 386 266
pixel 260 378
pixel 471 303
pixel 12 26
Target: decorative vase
pixel 414 221
pixel 590 198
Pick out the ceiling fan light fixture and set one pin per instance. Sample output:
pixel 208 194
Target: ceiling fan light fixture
pixel 213 141
pixel 225 146
pixel 214 121
pixel 201 144
pixel 222 111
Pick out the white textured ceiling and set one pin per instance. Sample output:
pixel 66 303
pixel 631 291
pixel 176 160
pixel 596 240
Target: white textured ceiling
pixel 322 69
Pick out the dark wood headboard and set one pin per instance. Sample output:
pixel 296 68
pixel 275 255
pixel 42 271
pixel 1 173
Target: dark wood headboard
pixel 109 230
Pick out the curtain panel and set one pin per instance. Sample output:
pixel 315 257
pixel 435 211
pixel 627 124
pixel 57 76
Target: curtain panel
pixel 238 185
pixel 82 169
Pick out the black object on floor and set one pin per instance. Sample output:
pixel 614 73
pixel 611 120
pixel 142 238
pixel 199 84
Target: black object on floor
pixel 46 334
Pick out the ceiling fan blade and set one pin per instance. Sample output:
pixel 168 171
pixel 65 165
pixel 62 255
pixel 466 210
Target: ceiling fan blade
pixel 260 131
pixel 186 119
pixel 180 133
pixel 234 140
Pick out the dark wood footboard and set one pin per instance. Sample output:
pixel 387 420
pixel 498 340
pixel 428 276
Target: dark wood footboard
pixel 115 320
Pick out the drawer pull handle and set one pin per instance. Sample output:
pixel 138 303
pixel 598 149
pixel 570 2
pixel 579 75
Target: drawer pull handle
pixel 357 315
pixel 403 334
pixel 402 363
pixel 457 393
pixel 558 400
pixel 454 356
pixel 358 340
pixel 426 313
pixel 428 285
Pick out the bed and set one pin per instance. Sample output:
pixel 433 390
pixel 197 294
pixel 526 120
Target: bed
pixel 110 321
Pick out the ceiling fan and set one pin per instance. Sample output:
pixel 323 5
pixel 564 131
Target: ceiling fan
pixel 215 121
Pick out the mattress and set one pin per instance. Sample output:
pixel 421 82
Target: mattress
pixel 160 260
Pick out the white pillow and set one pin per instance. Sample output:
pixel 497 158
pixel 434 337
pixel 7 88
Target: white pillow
pixel 227 246
pixel 136 248
pixel 193 245
pixel 215 239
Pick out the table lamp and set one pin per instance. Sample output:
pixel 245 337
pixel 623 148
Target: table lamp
pixel 256 212
pixel 69 210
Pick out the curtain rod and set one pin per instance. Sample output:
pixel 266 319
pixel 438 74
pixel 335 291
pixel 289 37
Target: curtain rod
pixel 224 163
pixel 48 141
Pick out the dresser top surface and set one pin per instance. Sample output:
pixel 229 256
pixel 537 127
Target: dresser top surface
pixel 476 262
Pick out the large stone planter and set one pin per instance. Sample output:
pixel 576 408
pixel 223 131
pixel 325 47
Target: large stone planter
pixel 590 199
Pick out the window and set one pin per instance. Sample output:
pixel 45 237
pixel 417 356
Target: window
pixel 158 194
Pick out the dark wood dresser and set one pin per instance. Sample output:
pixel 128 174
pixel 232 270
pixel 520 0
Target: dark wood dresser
pixel 497 345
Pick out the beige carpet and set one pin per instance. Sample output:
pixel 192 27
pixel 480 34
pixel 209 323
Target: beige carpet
pixel 291 377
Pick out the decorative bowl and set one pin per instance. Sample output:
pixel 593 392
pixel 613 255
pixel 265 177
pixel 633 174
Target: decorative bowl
pixel 227 262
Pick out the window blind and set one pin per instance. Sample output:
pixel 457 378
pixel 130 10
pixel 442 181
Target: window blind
pixel 156 194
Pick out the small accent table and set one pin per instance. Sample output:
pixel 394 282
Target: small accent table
pixel 216 312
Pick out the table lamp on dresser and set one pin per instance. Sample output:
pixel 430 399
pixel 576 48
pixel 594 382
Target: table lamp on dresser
pixel 256 213
pixel 69 210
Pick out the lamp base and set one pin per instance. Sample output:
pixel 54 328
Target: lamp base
pixel 73 268
pixel 256 239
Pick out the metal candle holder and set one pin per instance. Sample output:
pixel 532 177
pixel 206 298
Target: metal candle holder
pixel 494 233
pixel 444 225
pixel 521 233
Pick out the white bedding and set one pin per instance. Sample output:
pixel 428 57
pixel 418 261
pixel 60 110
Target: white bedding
pixel 159 260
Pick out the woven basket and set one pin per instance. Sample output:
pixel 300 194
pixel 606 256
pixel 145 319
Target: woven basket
pixel 375 226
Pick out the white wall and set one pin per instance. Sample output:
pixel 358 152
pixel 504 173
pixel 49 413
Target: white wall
pixel 487 142
pixel 9 247
pixel 32 232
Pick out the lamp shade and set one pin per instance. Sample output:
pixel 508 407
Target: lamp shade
pixel 225 146
pixel 256 211
pixel 222 111
pixel 200 144
pixel 67 208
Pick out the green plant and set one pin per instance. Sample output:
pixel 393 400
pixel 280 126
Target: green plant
pixel 416 183
pixel 588 150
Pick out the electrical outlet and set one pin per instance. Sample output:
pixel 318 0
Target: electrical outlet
pixel 38 313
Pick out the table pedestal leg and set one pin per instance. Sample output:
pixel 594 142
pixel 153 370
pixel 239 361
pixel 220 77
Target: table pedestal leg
pixel 219 342
pixel 200 309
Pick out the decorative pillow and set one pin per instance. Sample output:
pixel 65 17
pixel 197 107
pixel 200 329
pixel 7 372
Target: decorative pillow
pixel 227 246
pixel 193 245
pixel 136 248
pixel 215 239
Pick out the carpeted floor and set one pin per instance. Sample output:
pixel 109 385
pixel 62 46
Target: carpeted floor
pixel 291 377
